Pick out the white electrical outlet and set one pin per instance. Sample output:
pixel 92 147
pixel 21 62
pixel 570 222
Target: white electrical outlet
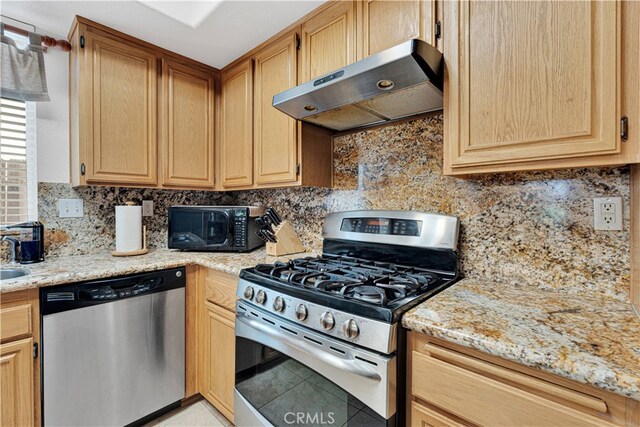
pixel 147 208
pixel 607 213
pixel 70 208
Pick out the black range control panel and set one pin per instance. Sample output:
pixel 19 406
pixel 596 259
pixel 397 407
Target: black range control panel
pixel 390 226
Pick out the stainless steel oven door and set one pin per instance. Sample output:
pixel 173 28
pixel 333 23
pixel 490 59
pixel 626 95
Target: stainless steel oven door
pixel 289 375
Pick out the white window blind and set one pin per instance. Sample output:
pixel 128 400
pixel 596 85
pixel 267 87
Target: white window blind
pixel 14 198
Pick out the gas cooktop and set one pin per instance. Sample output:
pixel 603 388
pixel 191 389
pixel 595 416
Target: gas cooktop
pixel 375 264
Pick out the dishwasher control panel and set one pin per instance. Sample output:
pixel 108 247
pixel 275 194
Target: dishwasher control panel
pixel 109 292
pixel 65 297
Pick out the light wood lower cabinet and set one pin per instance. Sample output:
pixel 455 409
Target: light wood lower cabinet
pixel 215 342
pixel 19 366
pixel 452 385
pixel 220 369
pixel 424 416
pixel 16 372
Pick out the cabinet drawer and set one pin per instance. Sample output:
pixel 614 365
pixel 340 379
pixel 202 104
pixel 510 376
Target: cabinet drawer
pixel 15 322
pixel 427 417
pixel 220 289
pixel 491 399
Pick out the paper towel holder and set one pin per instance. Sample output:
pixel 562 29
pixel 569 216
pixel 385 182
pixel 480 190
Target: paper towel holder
pixel 142 251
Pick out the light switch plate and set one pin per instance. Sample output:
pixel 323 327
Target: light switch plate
pixel 607 213
pixel 70 208
pixel 147 208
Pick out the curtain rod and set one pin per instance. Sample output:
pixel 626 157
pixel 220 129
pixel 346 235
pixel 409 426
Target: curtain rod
pixel 46 40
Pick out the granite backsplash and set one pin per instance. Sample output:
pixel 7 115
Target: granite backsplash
pixel 524 228
pixel 95 232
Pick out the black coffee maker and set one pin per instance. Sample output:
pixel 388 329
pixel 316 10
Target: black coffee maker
pixel 31 241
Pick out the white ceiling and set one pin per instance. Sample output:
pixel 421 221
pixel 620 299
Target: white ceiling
pixel 214 32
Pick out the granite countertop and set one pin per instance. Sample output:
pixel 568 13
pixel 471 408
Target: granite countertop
pixel 78 268
pixel 591 341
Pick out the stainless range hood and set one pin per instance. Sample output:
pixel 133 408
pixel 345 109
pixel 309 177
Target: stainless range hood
pixel 399 82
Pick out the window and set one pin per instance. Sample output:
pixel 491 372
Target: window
pixel 18 186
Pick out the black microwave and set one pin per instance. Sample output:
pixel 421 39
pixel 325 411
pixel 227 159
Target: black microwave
pixel 214 228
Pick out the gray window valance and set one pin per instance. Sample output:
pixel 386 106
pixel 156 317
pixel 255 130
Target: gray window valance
pixel 22 74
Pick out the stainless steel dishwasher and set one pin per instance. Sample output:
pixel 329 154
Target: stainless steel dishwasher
pixel 113 350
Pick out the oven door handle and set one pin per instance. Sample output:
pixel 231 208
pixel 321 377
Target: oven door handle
pixel 349 365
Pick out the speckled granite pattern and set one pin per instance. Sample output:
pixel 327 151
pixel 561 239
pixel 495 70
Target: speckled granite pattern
pixel 525 228
pixel 95 232
pixel 69 269
pixel 592 341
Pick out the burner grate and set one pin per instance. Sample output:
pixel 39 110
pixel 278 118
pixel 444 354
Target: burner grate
pixel 372 282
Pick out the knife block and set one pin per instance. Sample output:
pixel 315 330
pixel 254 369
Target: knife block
pixel 288 241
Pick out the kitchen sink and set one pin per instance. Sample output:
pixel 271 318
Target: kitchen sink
pixel 12 273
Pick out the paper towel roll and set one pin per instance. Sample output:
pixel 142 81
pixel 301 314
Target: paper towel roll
pixel 128 228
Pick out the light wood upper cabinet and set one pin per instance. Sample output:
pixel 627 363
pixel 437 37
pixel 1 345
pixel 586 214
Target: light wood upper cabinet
pixel 187 126
pixel 328 40
pixel 275 136
pixel 383 24
pixel 16 371
pixel 139 115
pixel 530 83
pixel 119 84
pixel 236 126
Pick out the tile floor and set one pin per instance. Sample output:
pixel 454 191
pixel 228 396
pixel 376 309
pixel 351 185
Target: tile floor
pixel 199 414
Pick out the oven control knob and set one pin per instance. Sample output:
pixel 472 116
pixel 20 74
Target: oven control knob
pixel 261 297
pixel 248 292
pixel 326 320
pixel 350 329
pixel 301 312
pixel 278 304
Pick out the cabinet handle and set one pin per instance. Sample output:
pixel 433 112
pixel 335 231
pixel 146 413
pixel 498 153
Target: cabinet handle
pixel 624 128
pixel 538 385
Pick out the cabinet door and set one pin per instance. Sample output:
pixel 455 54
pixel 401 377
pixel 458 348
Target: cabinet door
pixel 187 105
pixel 276 148
pixel 236 122
pixel 123 77
pixel 529 82
pixel 16 385
pixel 328 41
pixel 220 360
pixel 385 23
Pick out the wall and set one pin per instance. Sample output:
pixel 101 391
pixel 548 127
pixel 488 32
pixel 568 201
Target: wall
pixel 529 228
pixel 53 119
pixel 95 232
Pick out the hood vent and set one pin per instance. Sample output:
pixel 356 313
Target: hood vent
pixel 399 82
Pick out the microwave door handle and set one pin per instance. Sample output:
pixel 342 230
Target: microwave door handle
pixel 349 365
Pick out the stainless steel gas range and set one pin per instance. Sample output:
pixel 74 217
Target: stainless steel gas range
pixel 318 339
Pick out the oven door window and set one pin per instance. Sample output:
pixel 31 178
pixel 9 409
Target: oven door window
pixel 288 393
